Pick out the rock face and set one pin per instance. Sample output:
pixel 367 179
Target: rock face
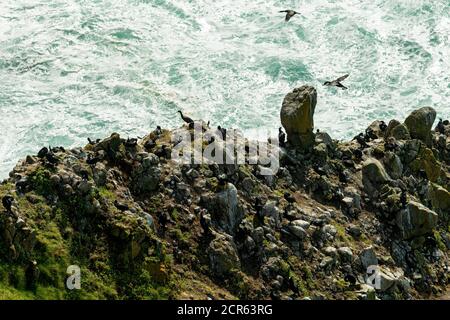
pixel 225 209
pixel 373 175
pixel 419 123
pixel 440 200
pixel 297 114
pixel 416 220
pixel 223 255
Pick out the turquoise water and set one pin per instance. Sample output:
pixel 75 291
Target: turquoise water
pixel 76 69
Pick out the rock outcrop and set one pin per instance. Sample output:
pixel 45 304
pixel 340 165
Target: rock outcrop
pixel 419 124
pixel 141 226
pixel 416 220
pixel 297 116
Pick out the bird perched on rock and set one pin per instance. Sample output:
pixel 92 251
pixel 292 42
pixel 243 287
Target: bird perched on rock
pixel 84 174
pixel 361 140
pixel 289 14
pixel 205 222
pixel 391 144
pixel 51 158
pixel 383 126
pixel 131 142
pixel 403 199
pixel 281 137
pixel 289 198
pixel 93 142
pixel 121 206
pixel 223 132
pixel 92 160
pixel 258 208
pixel 7 202
pixel 43 152
pixel 350 278
pixel 337 82
pixel 158 130
pixel 440 127
pixel 188 120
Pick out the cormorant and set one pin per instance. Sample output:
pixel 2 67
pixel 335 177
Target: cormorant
pixel 403 199
pixel 131 142
pixel 337 82
pixel 289 14
pixel 7 202
pixel 43 152
pixel 121 206
pixel 223 132
pixel 205 222
pixel 289 198
pixel 440 127
pixel 188 120
pixel 361 140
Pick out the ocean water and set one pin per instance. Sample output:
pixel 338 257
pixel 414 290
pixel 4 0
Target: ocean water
pixel 76 69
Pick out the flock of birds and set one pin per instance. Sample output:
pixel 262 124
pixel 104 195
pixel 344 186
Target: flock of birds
pixel 281 135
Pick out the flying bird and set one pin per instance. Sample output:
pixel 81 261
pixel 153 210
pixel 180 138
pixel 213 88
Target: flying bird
pixel 337 82
pixel 289 14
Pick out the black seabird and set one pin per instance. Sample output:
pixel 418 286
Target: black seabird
pixel 383 126
pixel 281 137
pixel 223 132
pixel 440 127
pixel 121 206
pixel 361 140
pixel 205 222
pixel 289 14
pixel 7 202
pixel 188 120
pixel 337 82
pixel 131 142
pixel 289 198
pixel 43 152
pixel 403 199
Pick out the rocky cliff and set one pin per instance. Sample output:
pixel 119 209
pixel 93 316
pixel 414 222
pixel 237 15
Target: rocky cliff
pixel 140 226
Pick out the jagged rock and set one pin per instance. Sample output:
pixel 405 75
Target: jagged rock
pixel 320 151
pixel 397 130
pixel 416 220
pixel 146 175
pixel 331 252
pixel 297 231
pixel 385 280
pixel 301 223
pixel 440 199
pixel 100 174
pixel 271 210
pixel 110 145
pixel 373 176
pixel 323 137
pixel 272 268
pixel 225 209
pixel 223 257
pixel 419 123
pixel 346 254
pixel 297 116
pixel 425 160
pixel 375 129
pixel 368 257
pixel 393 165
